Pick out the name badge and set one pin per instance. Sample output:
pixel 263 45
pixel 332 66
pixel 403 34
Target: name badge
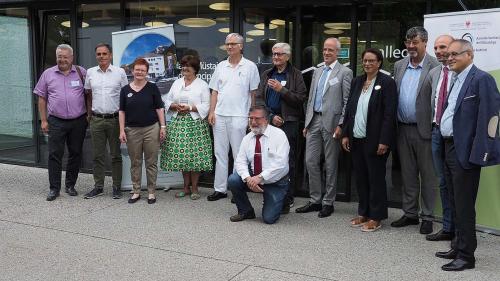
pixel 283 83
pixel 333 81
pixel 75 83
pixel 130 95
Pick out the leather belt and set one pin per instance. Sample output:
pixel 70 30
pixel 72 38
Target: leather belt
pixel 105 116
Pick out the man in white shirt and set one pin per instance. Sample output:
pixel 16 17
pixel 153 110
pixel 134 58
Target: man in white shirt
pixel 440 79
pixel 103 84
pixel 234 84
pixel 261 166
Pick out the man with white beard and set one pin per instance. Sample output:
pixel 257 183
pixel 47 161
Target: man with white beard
pixel 261 166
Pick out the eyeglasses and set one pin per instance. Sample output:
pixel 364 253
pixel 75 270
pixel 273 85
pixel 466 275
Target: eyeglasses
pixel 412 42
pixel 278 54
pixel 255 118
pixel 232 44
pixel 369 61
pixel 455 54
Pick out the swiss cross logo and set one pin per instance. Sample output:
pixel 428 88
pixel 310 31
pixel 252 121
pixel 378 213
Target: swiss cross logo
pixel 467 23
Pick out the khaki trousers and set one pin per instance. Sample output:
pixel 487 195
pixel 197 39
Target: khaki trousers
pixel 143 142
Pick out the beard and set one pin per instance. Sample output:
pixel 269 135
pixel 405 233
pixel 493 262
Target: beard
pixel 258 130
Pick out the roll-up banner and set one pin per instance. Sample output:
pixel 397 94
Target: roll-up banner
pixel 157 46
pixel 482 29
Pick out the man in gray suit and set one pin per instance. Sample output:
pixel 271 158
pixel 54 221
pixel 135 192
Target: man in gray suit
pixel 414 131
pixel 328 96
pixel 441 77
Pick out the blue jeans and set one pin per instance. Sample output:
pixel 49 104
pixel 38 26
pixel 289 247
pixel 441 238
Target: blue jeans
pixel 437 157
pixel 274 195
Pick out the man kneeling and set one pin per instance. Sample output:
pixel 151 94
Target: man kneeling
pixel 265 152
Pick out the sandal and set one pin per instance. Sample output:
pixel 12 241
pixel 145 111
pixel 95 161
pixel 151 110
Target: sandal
pixel 195 196
pixel 182 194
pixel 358 221
pixel 371 225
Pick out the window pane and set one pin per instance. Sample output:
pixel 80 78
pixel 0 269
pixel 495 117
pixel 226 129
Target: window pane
pixel 16 118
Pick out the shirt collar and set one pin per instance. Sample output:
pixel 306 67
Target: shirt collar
pixel 107 69
pixel 332 65
pixel 73 69
pixel 420 65
pixel 242 62
pixel 461 76
pixel 266 133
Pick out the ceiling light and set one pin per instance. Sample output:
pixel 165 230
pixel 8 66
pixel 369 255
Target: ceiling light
pixel 333 31
pixel 197 22
pixel 255 32
pixel 219 6
pixel 224 30
pixel 262 26
pixel 278 22
pixel 68 24
pixel 338 25
pixel 248 39
pixel 222 19
pixel 155 23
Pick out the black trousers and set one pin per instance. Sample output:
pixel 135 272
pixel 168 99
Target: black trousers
pixel 463 185
pixel 291 129
pixel 369 169
pixel 69 133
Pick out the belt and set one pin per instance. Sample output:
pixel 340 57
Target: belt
pixel 317 112
pixel 105 116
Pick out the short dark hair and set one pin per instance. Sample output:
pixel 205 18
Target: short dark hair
pixel 191 61
pixel 415 31
pixel 376 52
pixel 103 45
pixel 140 61
pixel 263 108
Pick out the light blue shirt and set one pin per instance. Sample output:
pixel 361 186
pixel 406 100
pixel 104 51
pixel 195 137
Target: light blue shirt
pixel 320 88
pixel 407 112
pixel 447 119
pixel 360 120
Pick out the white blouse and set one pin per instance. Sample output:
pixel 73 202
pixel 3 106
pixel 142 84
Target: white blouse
pixel 197 94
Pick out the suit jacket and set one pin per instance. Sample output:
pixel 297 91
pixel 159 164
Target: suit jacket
pixel 423 103
pixel 477 108
pixel 293 94
pixel 382 110
pixel 335 97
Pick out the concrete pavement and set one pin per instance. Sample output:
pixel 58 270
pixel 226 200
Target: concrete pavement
pixel 179 239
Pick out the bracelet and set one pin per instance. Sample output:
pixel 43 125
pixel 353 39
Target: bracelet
pixel 163 126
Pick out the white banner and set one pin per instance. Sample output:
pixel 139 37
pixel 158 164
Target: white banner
pixel 157 46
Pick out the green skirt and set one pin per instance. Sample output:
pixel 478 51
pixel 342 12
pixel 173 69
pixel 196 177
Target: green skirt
pixel 188 146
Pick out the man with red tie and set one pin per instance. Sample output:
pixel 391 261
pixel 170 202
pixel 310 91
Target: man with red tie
pixel 261 166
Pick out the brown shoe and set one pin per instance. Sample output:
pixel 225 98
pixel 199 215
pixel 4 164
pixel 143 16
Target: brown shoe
pixel 358 221
pixel 371 225
pixel 240 217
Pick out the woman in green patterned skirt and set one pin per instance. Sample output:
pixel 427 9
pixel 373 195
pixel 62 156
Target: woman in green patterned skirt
pixel 188 147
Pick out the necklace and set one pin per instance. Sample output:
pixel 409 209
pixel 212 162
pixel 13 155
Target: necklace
pixel 366 85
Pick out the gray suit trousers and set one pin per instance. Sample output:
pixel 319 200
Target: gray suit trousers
pixel 420 182
pixel 319 140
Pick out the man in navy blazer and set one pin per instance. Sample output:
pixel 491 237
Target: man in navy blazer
pixel 469 127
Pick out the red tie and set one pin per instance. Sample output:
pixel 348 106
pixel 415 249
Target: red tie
pixel 257 157
pixel 442 96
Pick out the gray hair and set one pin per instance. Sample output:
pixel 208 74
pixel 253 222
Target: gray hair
pixel 337 42
pixel 237 35
pixel 285 46
pixel 466 45
pixel 262 108
pixel 65 47
pixel 415 31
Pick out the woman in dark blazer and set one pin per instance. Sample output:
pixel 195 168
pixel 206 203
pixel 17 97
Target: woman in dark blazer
pixel 369 133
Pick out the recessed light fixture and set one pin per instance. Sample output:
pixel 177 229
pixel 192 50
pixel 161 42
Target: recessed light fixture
pixel 338 25
pixel 224 30
pixel 219 6
pixel 197 22
pixel 255 32
pixel 262 26
pixel 278 22
pixel 155 23
pixel 248 39
pixel 333 31
pixel 68 24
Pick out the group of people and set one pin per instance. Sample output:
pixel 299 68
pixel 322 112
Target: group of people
pixel 434 114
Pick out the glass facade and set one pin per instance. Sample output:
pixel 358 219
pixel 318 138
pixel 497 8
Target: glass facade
pixel 30 30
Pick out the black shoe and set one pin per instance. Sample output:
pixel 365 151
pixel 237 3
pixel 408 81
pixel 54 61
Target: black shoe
pixel 239 217
pixel 404 221
pixel 151 200
pixel 133 200
pixel 440 236
pixel 426 227
pixel 286 209
pixel 97 191
pixel 52 195
pixel 71 191
pixel 458 265
pixel 216 196
pixel 117 193
pixel 451 254
pixel 309 207
pixel 326 211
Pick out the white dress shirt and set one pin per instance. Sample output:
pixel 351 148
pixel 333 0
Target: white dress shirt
pixel 197 94
pixel 274 148
pixel 105 88
pixel 234 85
pixel 438 88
